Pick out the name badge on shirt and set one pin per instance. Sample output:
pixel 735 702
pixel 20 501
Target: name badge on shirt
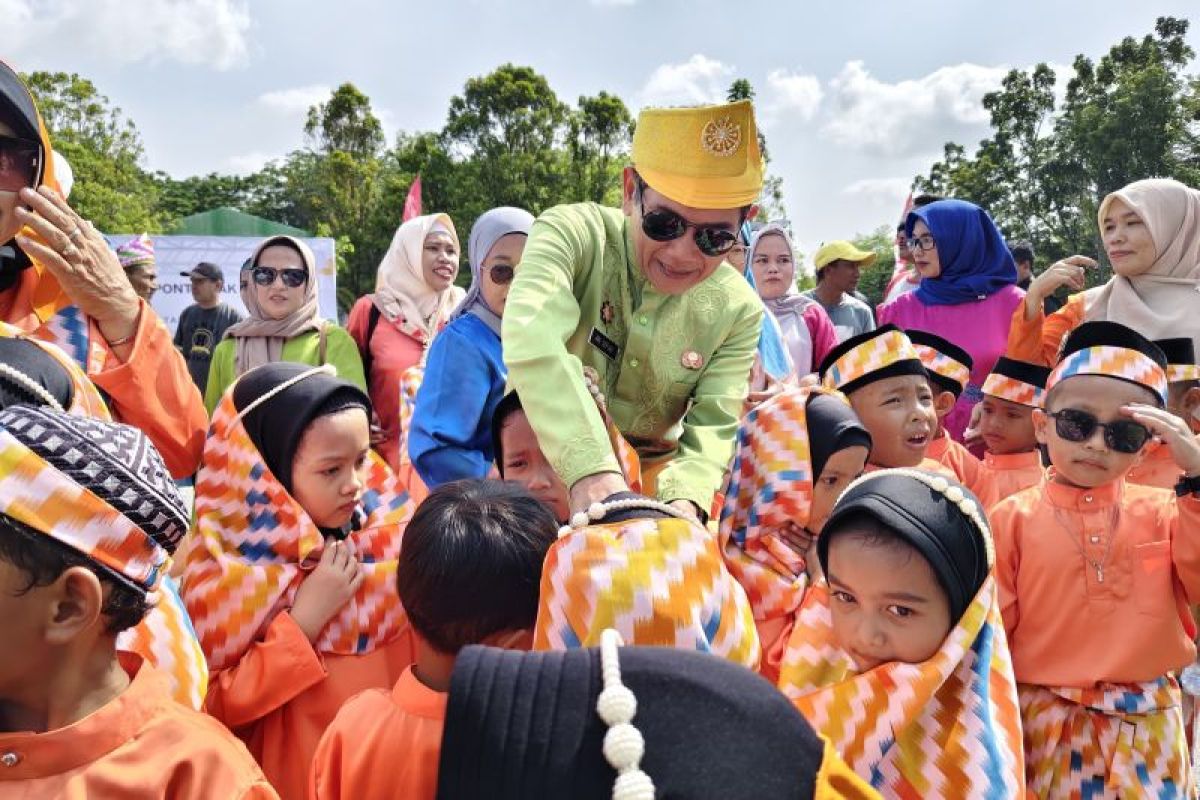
pixel 604 344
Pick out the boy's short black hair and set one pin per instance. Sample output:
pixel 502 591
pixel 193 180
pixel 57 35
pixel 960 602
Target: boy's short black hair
pixel 1022 251
pixel 471 562
pixel 43 559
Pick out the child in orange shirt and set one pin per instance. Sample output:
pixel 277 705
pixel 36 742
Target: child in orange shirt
pixel 898 657
pixel 949 370
pixel 88 516
pixel 1013 461
pixel 882 375
pixel 1096 575
pixel 468 574
pixel 289 579
pixel 1158 468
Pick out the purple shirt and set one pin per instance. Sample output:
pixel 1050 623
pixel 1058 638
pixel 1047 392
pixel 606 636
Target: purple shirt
pixel 980 328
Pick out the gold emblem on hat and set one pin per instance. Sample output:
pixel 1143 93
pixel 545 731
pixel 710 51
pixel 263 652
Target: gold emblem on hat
pixel 691 360
pixel 722 137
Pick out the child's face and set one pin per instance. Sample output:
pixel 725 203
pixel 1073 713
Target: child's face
pixel 1006 427
pixel 841 468
pixel 327 475
pixel 886 602
pixel 899 414
pixel 524 463
pixel 1090 463
pixel 21 616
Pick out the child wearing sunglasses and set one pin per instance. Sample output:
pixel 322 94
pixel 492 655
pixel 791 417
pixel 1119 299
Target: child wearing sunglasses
pixel 450 435
pixel 1096 575
pixel 1013 460
pixel 283 322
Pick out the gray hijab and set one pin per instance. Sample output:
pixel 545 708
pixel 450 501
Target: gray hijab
pixel 488 229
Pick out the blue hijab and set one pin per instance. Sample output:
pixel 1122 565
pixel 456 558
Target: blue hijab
pixel 975 260
pixel 771 349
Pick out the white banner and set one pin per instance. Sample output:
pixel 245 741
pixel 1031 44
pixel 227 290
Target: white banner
pixel 176 254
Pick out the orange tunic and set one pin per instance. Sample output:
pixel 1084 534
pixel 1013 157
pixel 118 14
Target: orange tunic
pixel 1157 469
pixel 283 694
pixel 152 390
pixel 1066 626
pixel 383 744
pixel 1009 474
pixel 967 469
pixel 138 746
pixel 1037 340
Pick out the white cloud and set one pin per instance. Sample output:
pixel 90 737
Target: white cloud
pixel 698 80
pixel 610 3
pixel 296 100
pixel 880 190
pixel 911 116
pixel 246 163
pixel 203 32
pixel 791 93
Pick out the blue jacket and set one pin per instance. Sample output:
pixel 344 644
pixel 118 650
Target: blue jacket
pixel 450 436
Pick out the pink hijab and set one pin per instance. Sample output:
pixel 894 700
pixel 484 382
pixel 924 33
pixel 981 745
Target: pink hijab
pixel 1163 301
pixel 401 293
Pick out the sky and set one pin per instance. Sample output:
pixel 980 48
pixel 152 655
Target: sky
pixel 855 98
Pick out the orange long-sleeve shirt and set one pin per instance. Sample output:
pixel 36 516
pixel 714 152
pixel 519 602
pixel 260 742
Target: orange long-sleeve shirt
pixel 966 468
pixel 1009 474
pixel 1157 469
pixel 140 746
pixel 152 390
pixel 1037 340
pixel 382 744
pixel 282 694
pixel 1068 627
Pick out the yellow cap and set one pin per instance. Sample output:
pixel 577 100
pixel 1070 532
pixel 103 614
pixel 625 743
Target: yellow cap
pixel 841 251
pixel 703 156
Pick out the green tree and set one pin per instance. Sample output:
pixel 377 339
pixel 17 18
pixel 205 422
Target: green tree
pixel 598 139
pixel 104 150
pixel 874 279
pixel 1045 167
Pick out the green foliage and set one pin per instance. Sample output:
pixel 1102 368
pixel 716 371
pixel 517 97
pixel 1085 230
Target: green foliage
pixel 1046 166
pixel 874 279
pixel 104 151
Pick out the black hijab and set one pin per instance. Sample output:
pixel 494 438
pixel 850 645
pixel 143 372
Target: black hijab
pixel 929 520
pixel 277 425
pixel 524 725
pixel 832 427
pixel 38 366
pixel 18 110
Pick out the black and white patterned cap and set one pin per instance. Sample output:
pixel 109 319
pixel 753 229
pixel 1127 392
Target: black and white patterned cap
pixel 115 462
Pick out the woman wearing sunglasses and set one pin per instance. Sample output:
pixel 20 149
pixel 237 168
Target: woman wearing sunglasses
pixel 967 292
pixel 62 283
pixel 643 296
pixel 283 323
pixel 450 436
pixel 395 326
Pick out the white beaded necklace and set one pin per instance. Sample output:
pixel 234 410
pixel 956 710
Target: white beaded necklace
pixel 597 511
pixel 624 745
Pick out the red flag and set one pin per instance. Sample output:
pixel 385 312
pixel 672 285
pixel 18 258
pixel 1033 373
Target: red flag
pixel 412 203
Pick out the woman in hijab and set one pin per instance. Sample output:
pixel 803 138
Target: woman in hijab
pixel 1151 235
pixel 283 322
pixel 450 436
pixel 414 297
pixel 290 578
pixel 770 267
pixel 967 293
pixel 794 455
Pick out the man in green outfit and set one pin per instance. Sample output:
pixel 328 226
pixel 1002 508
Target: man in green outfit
pixel 642 295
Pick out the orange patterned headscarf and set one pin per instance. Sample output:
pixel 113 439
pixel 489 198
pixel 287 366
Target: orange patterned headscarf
pixel 254 544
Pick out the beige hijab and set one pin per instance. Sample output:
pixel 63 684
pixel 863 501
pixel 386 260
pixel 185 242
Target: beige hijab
pixel 1163 301
pixel 401 293
pixel 260 340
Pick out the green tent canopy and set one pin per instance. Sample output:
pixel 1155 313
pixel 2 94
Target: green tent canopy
pixel 231 222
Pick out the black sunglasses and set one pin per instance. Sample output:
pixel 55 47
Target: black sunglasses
pixel 662 225
pixel 292 278
pixel 19 161
pixel 1122 436
pixel 501 274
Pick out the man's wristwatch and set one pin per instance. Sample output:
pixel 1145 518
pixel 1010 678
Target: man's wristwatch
pixel 1188 485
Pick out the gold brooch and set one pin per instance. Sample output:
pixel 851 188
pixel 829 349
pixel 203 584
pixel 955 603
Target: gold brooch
pixel 691 360
pixel 721 137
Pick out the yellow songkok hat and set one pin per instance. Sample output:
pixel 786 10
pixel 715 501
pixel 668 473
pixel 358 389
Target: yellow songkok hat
pixel 702 156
